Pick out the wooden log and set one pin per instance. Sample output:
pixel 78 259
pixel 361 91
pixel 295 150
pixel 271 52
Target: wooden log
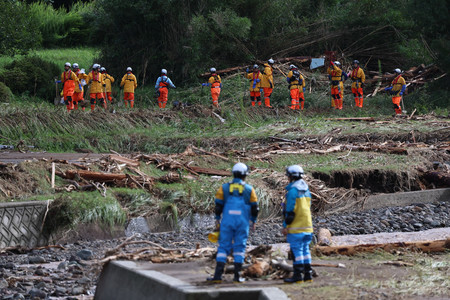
pixel 258 269
pixel 123 160
pixel 209 171
pixel 95 176
pixel 424 246
pixel 324 237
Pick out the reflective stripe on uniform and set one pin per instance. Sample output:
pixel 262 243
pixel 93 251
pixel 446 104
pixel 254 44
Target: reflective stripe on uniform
pixel 221 255
pixel 235 212
pixel 238 254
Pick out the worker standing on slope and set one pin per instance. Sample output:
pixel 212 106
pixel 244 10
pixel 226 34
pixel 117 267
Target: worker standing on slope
pixel 129 84
pixel 358 78
pixel 78 95
pixel 108 81
pixel 236 202
pixel 162 88
pixel 397 89
pixel 255 84
pixel 296 88
pixel 216 86
pixel 297 225
pixel 69 80
pixel 267 82
pixel 335 76
pixel 97 86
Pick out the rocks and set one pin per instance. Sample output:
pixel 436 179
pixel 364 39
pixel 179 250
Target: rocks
pixel 3 283
pixel 63 265
pixel 36 293
pixel 78 290
pixel 85 254
pixel 36 260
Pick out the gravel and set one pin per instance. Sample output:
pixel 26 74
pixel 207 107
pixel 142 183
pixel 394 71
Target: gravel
pixel 67 272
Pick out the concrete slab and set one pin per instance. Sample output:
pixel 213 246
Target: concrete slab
pixel 406 198
pixel 142 280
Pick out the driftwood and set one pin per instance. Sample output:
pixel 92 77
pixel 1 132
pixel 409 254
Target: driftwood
pixel 258 269
pixel 209 171
pixel 424 246
pixel 94 176
pixel 324 237
pixel 123 160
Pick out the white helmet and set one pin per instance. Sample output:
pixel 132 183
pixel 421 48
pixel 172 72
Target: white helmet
pixel 398 71
pixel 75 66
pixel 67 64
pixel 337 63
pixel 164 71
pixel 103 69
pixel 212 70
pixel 270 61
pixel 255 66
pixel 129 69
pixel 294 171
pixel 239 170
pixel 292 67
pixel 95 66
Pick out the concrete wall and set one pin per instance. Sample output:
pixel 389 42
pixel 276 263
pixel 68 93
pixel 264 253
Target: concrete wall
pixel 406 198
pixel 21 222
pixel 126 280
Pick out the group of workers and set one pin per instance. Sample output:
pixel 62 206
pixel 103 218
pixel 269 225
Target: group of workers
pixel 236 210
pixel 100 82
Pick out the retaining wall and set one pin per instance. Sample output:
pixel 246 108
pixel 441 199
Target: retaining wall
pixel 21 223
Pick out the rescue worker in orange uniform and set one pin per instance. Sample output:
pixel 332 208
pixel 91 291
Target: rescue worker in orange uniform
pixel 336 88
pixel 97 86
pixel 216 86
pixel 129 84
pixel 296 88
pixel 267 82
pixel 108 81
pixel 255 84
pixel 358 78
pixel 397 89
pixel 78 95
pixel 163 83
pixel 69 80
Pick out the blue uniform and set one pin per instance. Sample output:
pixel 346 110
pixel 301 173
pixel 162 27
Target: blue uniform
pixel 164 79
pixel 298 203
pixel 237 199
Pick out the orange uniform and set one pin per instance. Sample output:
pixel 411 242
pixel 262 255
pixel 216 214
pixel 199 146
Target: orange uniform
pixel 69 79
pixel 255 85
pixel 97 85
pixel 358 78
pixel 78 94
pixel 398 87
pixel 215 82
pixel 336 90
pixel 129 84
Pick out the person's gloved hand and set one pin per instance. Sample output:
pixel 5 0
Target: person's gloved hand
pixel 80 86
pixel 205 84
pixel 388 88
pixel 258 80
pixel 57 81
pixel 401 93
pixel 247 70
pixel 304 89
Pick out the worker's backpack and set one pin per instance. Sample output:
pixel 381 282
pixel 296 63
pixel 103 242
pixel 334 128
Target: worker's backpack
pixel 295 75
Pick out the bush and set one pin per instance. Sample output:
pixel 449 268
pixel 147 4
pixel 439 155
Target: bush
pixel 31 75
pixel 5 93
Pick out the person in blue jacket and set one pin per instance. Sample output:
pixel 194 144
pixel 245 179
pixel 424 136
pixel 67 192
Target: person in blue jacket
pixel 297 224
pixel 237 204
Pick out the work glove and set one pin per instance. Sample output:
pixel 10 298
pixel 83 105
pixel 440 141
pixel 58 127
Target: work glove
pixel 80 86
pixel 388 88
pixel 205 84
pixel 401 93
pixel 304 89
pixel 258 80
pixel 57 81
pixel 247 70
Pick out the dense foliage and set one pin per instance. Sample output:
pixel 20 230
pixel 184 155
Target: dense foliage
pixel 31 75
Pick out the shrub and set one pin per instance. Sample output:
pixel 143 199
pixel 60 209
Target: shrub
pixel 31 75
pixel 5 93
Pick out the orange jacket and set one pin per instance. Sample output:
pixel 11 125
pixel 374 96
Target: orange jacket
pixel 96 81
pixel 255 81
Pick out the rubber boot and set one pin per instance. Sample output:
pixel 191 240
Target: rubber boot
pixel 220 267
pixel 132 104
pixel 302 104
pixel 92 107
pixel 237 273
pixel 308 273
pixel 297 277
pixel 361 100
pixel 267 102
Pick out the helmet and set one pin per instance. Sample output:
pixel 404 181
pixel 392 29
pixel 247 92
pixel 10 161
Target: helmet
pixel 129 69
pixel 103 69
pixel 356 62
pixel 270 61
pixel 95 66
pixel 294 171
pixel 292 67
pixel 75 66
pixel 164 71
pixel 212 70
pixel 67 64
pixel 337 63
pixel 255 66
pixel 239 170
pixel 398 71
